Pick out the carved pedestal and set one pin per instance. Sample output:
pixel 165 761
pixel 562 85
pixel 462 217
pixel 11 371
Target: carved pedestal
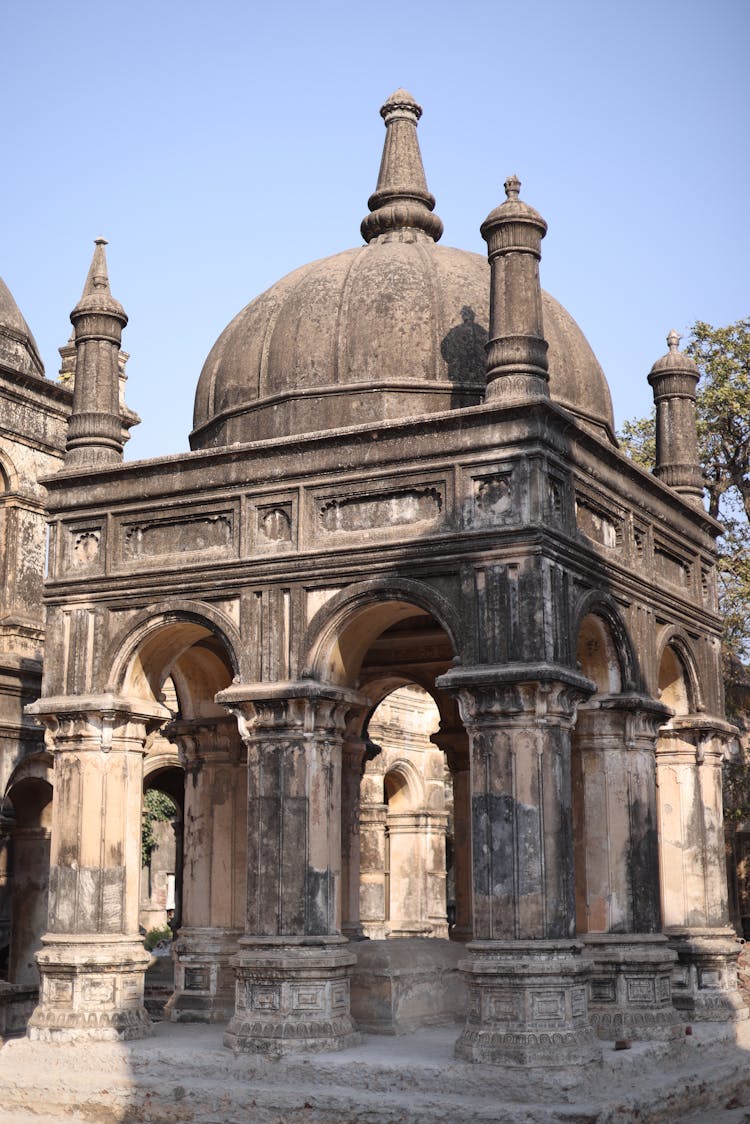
pixel 292 997
pixel 704 980
pixel 293 966
pixel 90 989
pixel 214 882
pixel 92 961
pixel 694 887
pixel 204 985
pixel 527 978
pixel 630 989
pixel 527 1005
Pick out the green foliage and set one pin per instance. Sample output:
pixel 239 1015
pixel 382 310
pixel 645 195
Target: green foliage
pixel 153 936
pixel 157 806
pixel 723 419
pixel 638 440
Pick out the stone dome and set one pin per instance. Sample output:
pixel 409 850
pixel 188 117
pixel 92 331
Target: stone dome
pixel 18 350
pixel 392 329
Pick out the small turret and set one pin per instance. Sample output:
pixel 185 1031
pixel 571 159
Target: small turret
pixel 517 366
pixel 674 379
pixel 401 205
pixel 95 431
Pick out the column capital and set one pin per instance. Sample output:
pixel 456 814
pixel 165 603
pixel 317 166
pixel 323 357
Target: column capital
pixel 94 722
pixel 699 737
pixel 548 693
pixel 304 707
pixel 633 718
pixel 197 738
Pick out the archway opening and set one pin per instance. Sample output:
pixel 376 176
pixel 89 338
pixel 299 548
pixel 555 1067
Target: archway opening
pixel 406 805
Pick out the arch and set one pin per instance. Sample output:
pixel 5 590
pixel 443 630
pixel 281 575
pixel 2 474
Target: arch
pixel 596 603
pixel 37 766
pixel 342 630
pixel 9 481
pixel 678 682
pixel 403 787
pixel 152 646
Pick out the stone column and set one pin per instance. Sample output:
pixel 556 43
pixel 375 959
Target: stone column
pixel 31 853
pixel 374 892
pixel 689 755
pixel 92 961
pixel 406 832
pixel 527 978
pixel 293 967
pixel 455 745
pixel 617 868
pixel 352 762
pixel 214 865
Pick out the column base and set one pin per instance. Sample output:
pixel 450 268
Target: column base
pixel 91 988
pixel 704 979
pixel 630 989
pixel 292 996
pixel 527 1005
pixel 203 975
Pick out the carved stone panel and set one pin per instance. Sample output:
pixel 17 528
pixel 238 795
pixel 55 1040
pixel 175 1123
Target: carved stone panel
pixel 203 535
pixel 382 510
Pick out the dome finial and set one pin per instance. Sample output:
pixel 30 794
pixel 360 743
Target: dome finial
pixel 401 201
pixel 673 340
pixel 512 187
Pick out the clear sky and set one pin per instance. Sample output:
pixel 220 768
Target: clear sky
pixel 219 145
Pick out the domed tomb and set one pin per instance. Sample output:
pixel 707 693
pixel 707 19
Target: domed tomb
pixel 395 328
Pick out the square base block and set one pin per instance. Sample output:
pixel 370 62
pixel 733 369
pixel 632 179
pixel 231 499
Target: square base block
pixel 204 990
pixel 630 989
pixel 90 989
pixel 527 1005
pixel 704 979
pixel 291 997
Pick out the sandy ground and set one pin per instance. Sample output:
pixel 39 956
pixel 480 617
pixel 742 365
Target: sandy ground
pixel 183 1073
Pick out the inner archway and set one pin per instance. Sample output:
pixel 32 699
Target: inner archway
pixel 406 804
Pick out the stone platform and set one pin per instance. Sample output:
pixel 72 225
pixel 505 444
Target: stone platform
pixel 183 1073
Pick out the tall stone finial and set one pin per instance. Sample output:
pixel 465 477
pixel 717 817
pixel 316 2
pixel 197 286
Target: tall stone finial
pixel 401 205
pixel 517 366
pixel 95 430
pixel 674 379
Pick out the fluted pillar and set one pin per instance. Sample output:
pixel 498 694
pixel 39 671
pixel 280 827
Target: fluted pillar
pixel 689 756
pixel 293 965
pixel 617 868
pixel 527 978
pixel 214 869
pixel 92 960
pixel 352 762
pixel 455 744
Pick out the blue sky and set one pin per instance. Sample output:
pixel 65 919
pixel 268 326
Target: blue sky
pixel 218 146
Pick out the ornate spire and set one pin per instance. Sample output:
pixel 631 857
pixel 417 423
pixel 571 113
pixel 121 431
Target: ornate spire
pixel 517 366
pixel 674 379
pixel 95 430
pixel 401 201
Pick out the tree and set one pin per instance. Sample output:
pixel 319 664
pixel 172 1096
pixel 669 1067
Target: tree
pixel 157 807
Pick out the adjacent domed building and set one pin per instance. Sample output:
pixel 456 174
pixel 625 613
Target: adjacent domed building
pixel 403 474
